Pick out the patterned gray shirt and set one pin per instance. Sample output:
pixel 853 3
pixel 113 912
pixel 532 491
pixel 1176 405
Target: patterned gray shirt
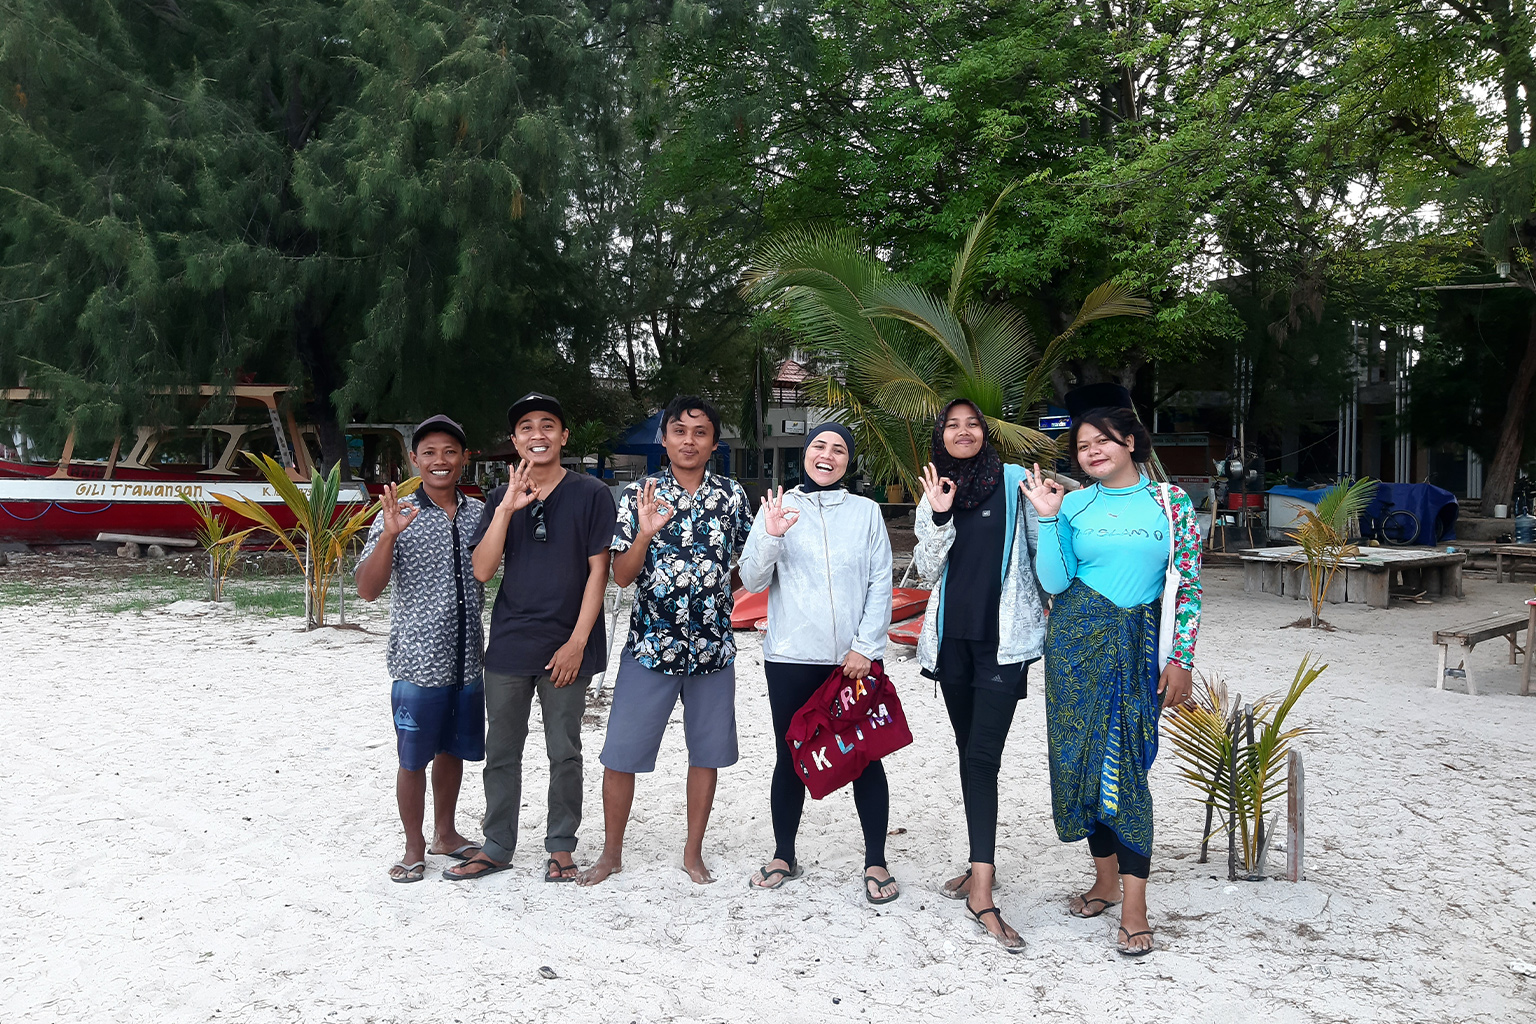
pixel 436 637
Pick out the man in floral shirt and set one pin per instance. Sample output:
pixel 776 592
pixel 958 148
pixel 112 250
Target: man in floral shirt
pixel 678 532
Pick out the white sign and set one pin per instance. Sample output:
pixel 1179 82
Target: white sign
pixel 151 491
pixel 794 426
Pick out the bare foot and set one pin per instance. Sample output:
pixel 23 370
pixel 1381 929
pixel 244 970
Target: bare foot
pixel 696 870
pixel 606 865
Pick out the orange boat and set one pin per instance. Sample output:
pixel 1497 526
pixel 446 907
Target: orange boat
pixel 751 609
pixel 907 632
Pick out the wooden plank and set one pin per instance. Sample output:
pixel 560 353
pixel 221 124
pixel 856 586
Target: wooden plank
pixel 1530 648
pixel 1295 818
pixel 1253 577
pixel 1378 590
pixel 134 538
pixel 1474 633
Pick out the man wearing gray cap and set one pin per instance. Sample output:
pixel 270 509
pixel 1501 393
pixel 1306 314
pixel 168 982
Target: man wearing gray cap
pixel 420 544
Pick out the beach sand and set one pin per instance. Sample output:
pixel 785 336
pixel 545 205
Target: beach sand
pixel 200 813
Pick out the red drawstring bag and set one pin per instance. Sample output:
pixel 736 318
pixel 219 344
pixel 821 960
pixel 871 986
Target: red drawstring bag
pixel 846 724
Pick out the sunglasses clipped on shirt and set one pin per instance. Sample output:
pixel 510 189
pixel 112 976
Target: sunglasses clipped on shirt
pixel 536 515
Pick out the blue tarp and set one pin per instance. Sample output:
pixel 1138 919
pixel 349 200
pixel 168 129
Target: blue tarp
pixel 644 438
pixel 1434 507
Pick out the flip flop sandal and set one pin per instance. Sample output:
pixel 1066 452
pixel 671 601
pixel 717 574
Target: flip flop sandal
pixel 958 892
pixel 768 873
pixel 1089 901
pixel 409 872
pixel 559 871
pixel 1001 940
pixel 460 854
pixel 491 867
pixel 880 884
pixel 1126 950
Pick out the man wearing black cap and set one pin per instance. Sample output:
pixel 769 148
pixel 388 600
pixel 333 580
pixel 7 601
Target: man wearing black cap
pixel 421 543
pixel 548 531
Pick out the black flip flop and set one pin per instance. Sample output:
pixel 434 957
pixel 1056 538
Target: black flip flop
pixel 957 892
pixel 560 869
pixel 1087 901
pixel 880 884
pixel 1001 940
pixel 767 873
pixel 491 868
pixel 1125 950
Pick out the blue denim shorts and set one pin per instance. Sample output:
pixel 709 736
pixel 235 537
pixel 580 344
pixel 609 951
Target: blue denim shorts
pixel 432 720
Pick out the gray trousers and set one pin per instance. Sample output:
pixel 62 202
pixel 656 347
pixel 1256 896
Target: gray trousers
pixel 508 702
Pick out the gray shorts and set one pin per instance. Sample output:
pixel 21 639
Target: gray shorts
pixel 643 700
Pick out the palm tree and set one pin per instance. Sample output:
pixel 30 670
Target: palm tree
pixel 899 353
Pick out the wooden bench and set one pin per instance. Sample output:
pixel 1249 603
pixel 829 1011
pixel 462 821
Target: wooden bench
pixel 1511 552
pixel 1464 638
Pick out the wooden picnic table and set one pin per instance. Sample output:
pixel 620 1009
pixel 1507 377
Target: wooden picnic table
pixel 1512 552
pixel 1366 578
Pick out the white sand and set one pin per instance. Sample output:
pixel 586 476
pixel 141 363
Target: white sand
pixel 199 812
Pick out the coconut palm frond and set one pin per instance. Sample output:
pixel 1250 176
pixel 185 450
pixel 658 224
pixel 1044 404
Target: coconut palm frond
pixel 974 251
pixel 1004 342
pixel 1108 300
pixel 904 301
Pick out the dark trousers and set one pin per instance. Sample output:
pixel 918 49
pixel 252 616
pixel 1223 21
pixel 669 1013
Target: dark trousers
pixel 981 720
pixel 508 704
pixel 789 687
pixel 1103 842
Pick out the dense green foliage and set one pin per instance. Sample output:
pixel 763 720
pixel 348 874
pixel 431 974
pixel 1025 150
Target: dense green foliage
pixel 409 206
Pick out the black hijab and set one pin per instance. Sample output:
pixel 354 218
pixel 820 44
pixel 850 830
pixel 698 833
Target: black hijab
pixel 810 486
pixel 975 478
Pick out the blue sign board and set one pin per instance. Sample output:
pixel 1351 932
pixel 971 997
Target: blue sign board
pixel 1055 422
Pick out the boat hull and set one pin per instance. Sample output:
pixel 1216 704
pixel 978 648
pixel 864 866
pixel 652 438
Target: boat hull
pixel 70 511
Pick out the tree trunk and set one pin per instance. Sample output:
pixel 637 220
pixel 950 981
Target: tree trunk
pixel 1499 486
pixel 325 379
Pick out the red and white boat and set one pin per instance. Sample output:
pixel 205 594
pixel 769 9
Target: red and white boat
pixel 137 495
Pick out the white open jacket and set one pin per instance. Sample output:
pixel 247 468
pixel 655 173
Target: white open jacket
pixel 828 579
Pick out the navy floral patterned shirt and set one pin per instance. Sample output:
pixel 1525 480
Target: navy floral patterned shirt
pixel 681 624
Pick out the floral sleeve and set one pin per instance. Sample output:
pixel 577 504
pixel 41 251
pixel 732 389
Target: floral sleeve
pixel 1186 558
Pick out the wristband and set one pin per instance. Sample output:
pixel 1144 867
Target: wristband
pixel 1052 519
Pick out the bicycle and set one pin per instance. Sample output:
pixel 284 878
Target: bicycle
pixel 1396 527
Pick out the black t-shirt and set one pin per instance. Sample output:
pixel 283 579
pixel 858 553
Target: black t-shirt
pixel 542 582
pixel 973 587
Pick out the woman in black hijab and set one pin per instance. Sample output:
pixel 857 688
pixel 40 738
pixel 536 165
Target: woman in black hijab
pixel 981 634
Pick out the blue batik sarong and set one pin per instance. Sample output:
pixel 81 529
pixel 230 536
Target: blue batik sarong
pixel 1101 708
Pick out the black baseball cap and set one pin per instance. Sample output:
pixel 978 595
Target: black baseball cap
pixel 439 424
pixel 534 401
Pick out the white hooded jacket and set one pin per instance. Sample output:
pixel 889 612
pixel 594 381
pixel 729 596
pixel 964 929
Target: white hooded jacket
pixel 828 579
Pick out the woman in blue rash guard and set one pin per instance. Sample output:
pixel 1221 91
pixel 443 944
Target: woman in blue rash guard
pixel 1103 551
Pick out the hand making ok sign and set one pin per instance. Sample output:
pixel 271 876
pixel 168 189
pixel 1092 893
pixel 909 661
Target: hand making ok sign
pixel 776 518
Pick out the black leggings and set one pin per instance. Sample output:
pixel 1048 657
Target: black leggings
pixel 789 687
pixel 1103 842
pixel 981 719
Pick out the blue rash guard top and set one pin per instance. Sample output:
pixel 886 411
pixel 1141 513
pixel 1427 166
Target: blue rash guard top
pixel 1114 539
